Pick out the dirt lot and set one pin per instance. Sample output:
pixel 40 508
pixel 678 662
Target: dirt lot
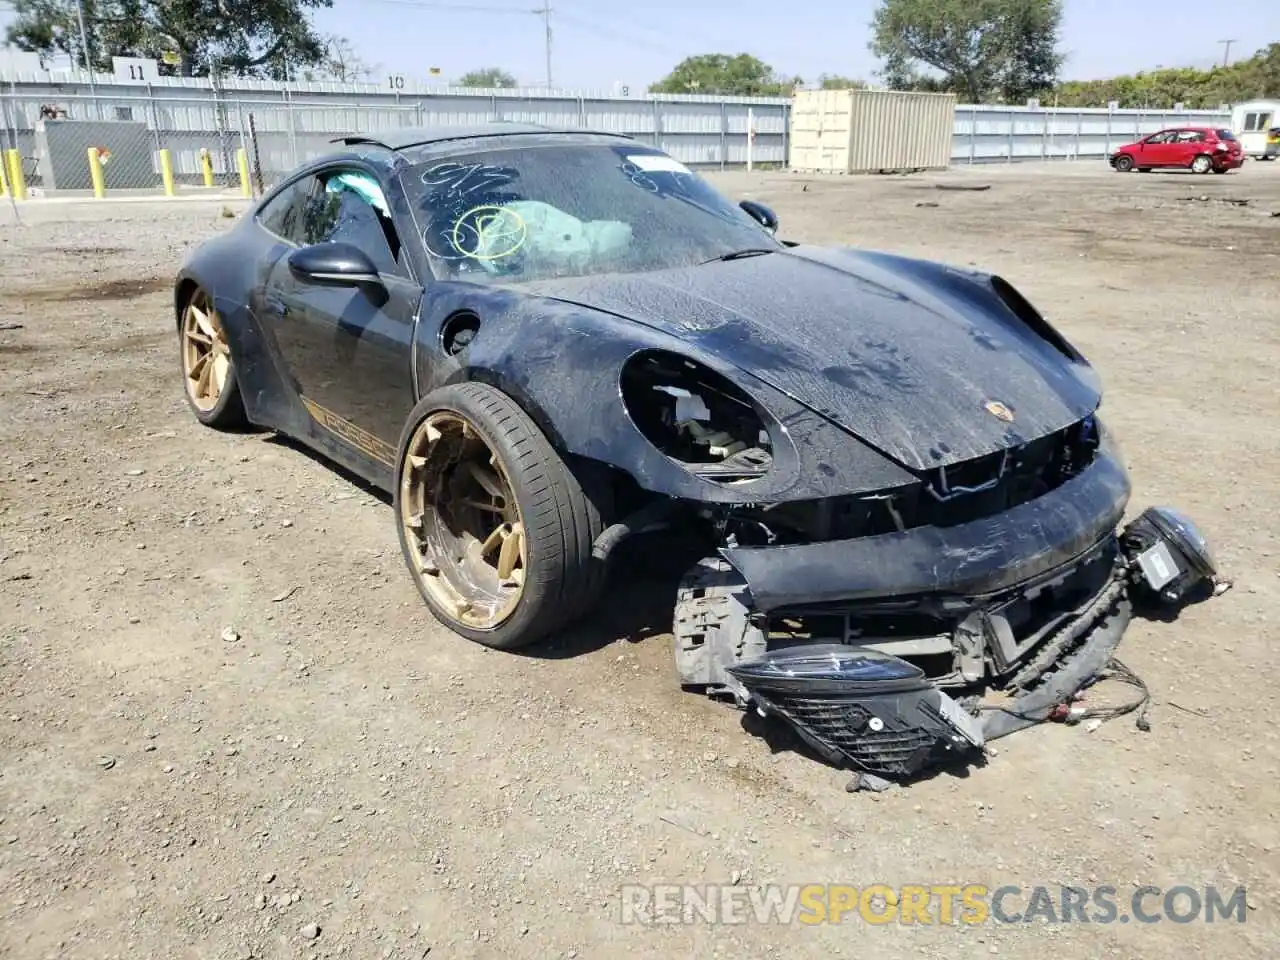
pixel 171 789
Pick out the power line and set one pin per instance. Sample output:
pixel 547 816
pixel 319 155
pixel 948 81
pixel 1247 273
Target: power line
pixel 463 7
pixel 544 12
pixel 609 34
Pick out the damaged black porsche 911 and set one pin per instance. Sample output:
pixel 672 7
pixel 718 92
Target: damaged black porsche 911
pixel 903 507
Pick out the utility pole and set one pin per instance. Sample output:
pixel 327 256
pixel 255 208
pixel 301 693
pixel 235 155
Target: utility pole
pixel 1226 50
pixel 545 12
pixel 84 45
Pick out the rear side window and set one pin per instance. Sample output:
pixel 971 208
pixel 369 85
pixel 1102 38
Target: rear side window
pixel 1225 135
pixel 282 213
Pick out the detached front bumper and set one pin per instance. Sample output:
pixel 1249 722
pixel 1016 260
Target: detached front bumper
pixel 861 645
pixel 969 560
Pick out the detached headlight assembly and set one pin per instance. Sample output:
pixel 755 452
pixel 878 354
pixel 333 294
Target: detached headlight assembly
pixel 861 707
pixel 698 417
pixel 1170 552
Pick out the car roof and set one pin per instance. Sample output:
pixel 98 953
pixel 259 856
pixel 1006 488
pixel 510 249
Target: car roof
pixel 425 136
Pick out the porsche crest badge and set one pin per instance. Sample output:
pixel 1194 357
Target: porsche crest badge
pixel 999 411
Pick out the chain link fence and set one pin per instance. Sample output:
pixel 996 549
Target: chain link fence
pixel 131 144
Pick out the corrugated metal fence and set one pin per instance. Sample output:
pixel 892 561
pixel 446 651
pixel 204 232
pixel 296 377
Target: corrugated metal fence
pixel 291 123
pixel 986 134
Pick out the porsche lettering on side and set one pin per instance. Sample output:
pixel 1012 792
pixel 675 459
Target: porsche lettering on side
pixel 886 480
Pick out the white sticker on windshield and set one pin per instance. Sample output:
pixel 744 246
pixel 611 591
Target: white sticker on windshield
pixel 657 163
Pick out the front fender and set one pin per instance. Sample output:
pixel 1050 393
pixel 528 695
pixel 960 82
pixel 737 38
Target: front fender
pixel 562 363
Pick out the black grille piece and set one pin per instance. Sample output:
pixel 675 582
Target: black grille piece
pixel 961 493
pixel 858 707
pixel 845 726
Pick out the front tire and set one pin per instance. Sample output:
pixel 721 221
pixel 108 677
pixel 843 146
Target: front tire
pixel 496 528
pixel 1124 163
pixel 1201 164
pixel 208 371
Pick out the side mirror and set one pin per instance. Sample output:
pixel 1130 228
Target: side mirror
pixel 334 265
pixel 761 214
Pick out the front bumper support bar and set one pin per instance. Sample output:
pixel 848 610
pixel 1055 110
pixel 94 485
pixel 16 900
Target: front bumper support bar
pixel 971 559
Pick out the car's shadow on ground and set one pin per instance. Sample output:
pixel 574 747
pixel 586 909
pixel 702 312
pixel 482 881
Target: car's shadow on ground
pixel 1169 612
pixel 636 606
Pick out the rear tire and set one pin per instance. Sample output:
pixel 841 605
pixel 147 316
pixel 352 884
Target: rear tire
pixel 1124 163
pixel 1219 169
pixel 1201 164
pixel 509 571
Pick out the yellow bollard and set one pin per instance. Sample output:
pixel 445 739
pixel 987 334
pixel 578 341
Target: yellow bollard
pixel 206 167
pixel 4 182
pixel 242 161
pixel 166 171
pixel 17 182
pixel 95 173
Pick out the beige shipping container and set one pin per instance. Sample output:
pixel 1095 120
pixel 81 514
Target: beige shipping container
pixel 864 131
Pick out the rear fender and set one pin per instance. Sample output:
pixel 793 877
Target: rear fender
pixel 269 396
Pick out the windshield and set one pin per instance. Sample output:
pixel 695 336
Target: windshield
pixel 533 213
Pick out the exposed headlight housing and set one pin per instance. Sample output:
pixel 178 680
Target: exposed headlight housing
pixel 697 417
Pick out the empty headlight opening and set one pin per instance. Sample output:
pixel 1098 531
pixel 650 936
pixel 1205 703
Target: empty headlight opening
pixel 697 417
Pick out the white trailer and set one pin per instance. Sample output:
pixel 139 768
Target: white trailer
pixel 1253 123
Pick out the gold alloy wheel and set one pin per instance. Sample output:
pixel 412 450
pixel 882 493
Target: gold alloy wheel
pixel 206 358
pixel 462 525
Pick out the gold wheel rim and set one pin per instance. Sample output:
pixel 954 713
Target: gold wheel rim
pixel 206 358
pixel 462 526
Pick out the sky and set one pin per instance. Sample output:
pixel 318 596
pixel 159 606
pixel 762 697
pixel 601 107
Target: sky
pixel 599 43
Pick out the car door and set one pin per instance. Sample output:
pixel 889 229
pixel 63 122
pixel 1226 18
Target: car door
pixel 1156 151
pixel 348 349
pixel 1186 146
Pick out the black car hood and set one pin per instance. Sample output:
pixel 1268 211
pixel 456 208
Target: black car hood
pixel 905 354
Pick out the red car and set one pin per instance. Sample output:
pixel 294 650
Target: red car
pixel 1199 149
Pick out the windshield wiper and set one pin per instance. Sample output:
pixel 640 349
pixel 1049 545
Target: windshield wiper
pixel 740 254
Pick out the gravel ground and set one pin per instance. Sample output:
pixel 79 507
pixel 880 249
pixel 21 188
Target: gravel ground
pixel 229 728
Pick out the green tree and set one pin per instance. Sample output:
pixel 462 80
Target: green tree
pixel 1257 77
pixel 740 75
pixel 263 38
pixel 832 81
pixel 488 78
pixel 981 49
